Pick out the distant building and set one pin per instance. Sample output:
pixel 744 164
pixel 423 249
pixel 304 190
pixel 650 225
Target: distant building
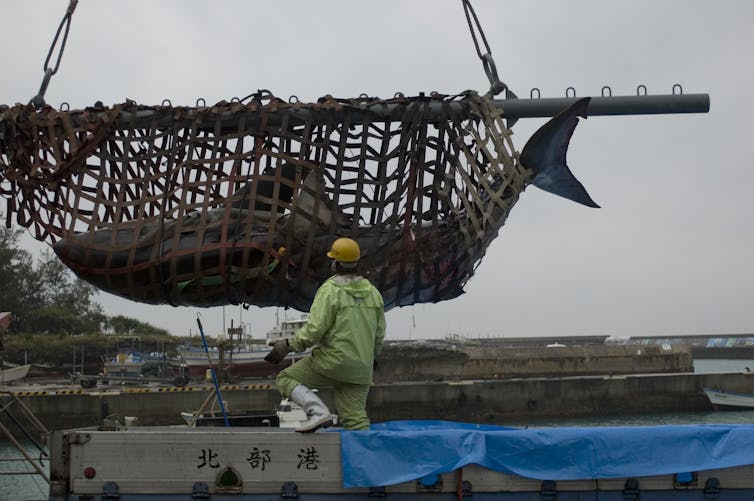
pixel 703 345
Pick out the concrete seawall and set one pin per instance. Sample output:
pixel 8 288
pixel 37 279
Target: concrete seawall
pixel 540 398
pixel 488 401
pixel 449 362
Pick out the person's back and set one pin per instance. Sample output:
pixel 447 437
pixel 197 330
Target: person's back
pixel 346 327
pixel 347 350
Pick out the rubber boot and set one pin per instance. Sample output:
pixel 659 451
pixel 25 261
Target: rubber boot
pixel 317 412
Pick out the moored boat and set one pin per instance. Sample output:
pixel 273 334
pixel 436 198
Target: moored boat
pixel 244 358
pixel 14 373
pixel 722 400
pixel 125 364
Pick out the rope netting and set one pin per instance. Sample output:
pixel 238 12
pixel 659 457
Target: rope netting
pixel 239 202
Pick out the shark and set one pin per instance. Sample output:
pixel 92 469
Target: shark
pixel 250 248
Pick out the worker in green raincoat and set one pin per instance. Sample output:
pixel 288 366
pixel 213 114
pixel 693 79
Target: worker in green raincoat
pixel 346 327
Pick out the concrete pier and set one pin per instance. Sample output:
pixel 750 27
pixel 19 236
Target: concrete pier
pixel 486 359
pixel 474 381
pixel 541 398
pixel 483 401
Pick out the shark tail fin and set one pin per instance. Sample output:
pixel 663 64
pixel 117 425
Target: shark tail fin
pixel 545 153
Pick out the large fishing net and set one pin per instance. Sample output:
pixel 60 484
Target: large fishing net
pixel 239 202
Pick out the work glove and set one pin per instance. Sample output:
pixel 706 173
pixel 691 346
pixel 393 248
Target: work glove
pixel 279 350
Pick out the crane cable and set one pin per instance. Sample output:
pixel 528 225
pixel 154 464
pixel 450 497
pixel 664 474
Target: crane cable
pixel 496 86
pixel 488 63
pixel 39 99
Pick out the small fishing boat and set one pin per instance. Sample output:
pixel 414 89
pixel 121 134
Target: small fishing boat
pixel 246 357
pixel 14 373
pixel 723 400
pixel 125 364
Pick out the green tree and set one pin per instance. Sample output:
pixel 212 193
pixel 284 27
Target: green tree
pixel 17 276
pixel 67 303
pixel 55 313
pixel 46 297
pixel 120 324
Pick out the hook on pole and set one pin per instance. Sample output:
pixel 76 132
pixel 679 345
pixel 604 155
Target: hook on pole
pixel 496 86
pixel 39 99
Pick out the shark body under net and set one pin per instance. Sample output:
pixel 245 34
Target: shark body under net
pixel 239 202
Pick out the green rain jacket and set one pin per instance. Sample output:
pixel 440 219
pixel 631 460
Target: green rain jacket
pixel 347 324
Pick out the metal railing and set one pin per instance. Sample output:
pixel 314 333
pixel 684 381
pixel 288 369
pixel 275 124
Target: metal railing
pixel 21 421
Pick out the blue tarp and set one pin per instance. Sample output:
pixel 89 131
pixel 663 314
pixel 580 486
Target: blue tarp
pixel 401 451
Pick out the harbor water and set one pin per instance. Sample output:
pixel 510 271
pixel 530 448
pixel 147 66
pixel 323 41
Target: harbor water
pixel 713 365
pixel 33 487
pixel 19 487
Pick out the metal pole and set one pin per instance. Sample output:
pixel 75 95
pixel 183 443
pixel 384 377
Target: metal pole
pixel 512 109
pixel 607 105
pixel 214 375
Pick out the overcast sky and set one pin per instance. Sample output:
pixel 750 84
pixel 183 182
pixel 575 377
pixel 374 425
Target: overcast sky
pixel 671 251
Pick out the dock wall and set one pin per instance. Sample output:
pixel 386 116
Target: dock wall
pixel 488 401
pixel 545 398
pixel 406 362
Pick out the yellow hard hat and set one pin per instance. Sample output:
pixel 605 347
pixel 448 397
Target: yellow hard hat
pixel 345 250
